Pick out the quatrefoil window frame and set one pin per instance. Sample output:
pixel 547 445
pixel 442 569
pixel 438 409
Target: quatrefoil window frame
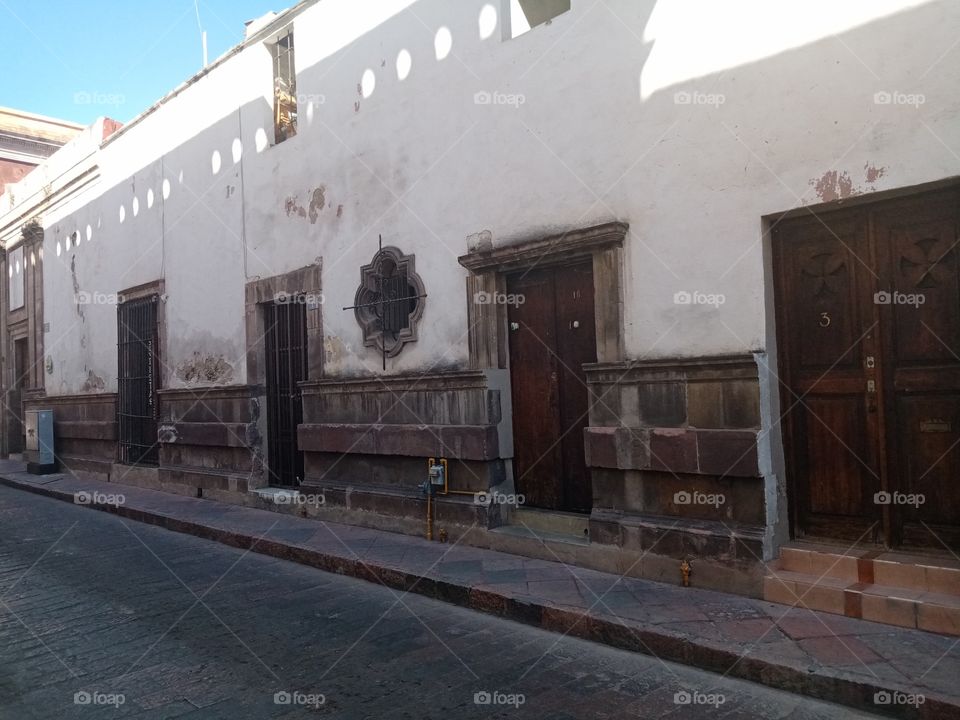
pixel 389 262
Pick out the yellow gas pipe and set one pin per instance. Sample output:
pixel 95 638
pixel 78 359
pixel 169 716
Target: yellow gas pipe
pixel 446 491
pixel 429 518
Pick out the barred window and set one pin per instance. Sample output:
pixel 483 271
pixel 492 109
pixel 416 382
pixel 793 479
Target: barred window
pixel 16 272
pixel 284 88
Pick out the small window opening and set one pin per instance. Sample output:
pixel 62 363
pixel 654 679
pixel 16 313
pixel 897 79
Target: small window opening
pixel 15 261
pixel 527 14
pixel 284 88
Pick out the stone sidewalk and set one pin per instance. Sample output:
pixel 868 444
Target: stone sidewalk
pixel 873 667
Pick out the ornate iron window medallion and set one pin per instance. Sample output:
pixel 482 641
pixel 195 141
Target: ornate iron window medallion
pixel 389 302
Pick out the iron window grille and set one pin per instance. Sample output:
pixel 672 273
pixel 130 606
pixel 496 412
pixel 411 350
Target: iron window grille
pixel 286 365
pixel 389 303
pixel 138 372
pixel 284 89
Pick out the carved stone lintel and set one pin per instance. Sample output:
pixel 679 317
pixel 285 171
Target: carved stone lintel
pixel 601 244
pixel 565 247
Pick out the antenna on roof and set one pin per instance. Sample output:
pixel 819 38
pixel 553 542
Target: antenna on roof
pixel 203 33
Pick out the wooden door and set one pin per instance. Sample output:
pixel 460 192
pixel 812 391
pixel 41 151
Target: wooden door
pixel 868 323
pixel 21 375
pixel 827 331
pixel 552 334
pixel 917 243
pixel 576 345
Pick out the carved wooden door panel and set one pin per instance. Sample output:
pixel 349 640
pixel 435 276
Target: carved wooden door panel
pixel 552 334
pixel 868 326
pixel 576 345
pixel 829 396
pixel 917 239
pixel 535 390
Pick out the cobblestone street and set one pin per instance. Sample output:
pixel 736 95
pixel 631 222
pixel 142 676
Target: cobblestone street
pixel 104 617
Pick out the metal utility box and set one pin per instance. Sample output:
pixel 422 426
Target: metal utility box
pixel 39 452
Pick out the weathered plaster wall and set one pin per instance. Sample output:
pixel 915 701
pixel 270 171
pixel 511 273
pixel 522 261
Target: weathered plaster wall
pixel 688 121
pixel 169 208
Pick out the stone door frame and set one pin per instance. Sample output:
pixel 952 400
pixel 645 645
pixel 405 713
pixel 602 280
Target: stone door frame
pixel 487 323
pixel 304 281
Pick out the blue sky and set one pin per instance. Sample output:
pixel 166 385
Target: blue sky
pixel 78 60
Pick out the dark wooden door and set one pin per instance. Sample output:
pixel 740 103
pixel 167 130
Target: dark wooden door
pixel 917 245
pixel 552 334
pixel 868 323
pixel 286 355
pixel 827 331
pixel 21 372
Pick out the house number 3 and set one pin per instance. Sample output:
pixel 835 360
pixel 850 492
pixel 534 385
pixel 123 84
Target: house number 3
pixel 825 319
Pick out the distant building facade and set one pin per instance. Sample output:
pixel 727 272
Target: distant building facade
pixel 26 140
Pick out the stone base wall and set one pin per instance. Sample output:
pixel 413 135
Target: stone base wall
pixel 84 431
pixel 211 440
pixel 672 447
pixel 367 441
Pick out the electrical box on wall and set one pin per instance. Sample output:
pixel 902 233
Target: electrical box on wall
pixel 39 451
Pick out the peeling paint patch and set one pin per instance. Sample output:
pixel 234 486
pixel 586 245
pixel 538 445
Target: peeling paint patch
pixel 93 382
pixel 76 287
pixel 833 185
pixel 254 439
pixel 290 206
pixel 334 349
pixel 872 173
pixel 316 204
pixel 167 434
pixel 318 200
pixel 205 369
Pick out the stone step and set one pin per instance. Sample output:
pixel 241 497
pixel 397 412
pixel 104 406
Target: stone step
pixel 905 607
pixel 573 525
pixel 542 536
pixel 922 572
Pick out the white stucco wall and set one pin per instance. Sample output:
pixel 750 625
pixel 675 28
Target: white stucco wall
pixel 780 96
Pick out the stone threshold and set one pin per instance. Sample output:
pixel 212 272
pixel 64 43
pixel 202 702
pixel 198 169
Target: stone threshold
pixel 843 660
pixel 543 536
